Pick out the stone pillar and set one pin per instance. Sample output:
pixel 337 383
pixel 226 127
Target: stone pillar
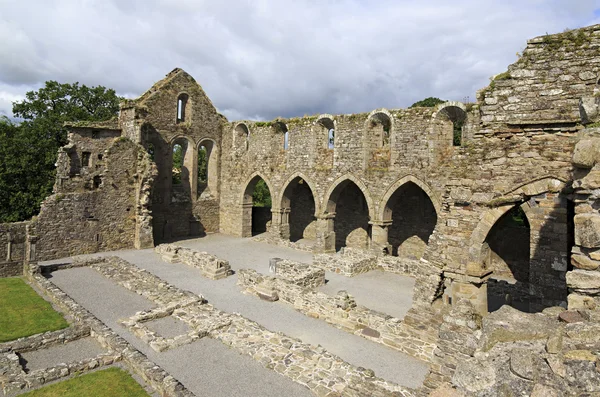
pixel 246 220
pixel 584 280
pixel 379 237
pixel 470 287
pixel 325 235
pixel 280 223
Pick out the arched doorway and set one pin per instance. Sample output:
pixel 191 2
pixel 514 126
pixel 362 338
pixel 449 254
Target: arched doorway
pixel 299 201
pixel 507 254
pixel 351 223
pixel 256 218
pixel 413 217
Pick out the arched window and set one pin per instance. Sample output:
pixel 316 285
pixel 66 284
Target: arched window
pixel 241 136
pixel 327 130
pixel 331 139
pixel 281 127
pixel 457 117
pixel 380 127
pixel 208 172
pixel 181 105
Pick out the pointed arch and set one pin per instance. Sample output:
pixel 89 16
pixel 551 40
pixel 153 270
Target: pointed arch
pixel 329 202
pixel 281 194
pixel 247 184
pixel 255 219
pixel 384 213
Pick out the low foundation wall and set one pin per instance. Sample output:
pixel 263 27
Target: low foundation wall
pixel 210 266
pixel 348 262
pixel 119 350
pixel 415 335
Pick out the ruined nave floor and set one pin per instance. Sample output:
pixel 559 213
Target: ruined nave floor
pixel 388 293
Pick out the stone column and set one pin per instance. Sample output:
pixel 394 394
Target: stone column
pixel 246 219
pixel 379 236
pixel 325 235
pixel 280 223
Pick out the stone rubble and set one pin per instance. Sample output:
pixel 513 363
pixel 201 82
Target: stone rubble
pixel 210 266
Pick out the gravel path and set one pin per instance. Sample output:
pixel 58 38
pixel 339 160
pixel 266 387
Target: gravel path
pixel 206 367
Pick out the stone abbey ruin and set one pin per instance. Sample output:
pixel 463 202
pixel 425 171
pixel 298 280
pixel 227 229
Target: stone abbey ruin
pixel 491 207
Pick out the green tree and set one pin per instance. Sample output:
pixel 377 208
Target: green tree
pixel 261 197
pixel 427 102
pixel 28 151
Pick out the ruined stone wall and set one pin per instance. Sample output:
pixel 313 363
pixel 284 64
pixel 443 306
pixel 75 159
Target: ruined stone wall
pixel 81 163
pixel 104 219
pixel 152 119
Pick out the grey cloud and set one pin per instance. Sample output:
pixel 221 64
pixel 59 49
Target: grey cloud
pixel 263 59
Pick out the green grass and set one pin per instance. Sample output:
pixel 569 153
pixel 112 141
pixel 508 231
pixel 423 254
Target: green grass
pixel 23 312
pixel 109 382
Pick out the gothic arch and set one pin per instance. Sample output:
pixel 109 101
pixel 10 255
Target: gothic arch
pixel 311 185
pixel 336 187
pixel 248 192
pixel 384 213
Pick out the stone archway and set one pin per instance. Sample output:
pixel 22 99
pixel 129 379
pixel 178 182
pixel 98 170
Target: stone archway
pixel 348 209
pixel 256 217
pixel 298 208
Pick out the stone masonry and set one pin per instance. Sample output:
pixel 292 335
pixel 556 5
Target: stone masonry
pixel 422 191
pixel 416 194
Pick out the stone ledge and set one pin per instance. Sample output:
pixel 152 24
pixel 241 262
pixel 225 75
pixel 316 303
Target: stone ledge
pixel 210 266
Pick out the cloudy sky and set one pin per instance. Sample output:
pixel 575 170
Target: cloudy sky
pixel 259 59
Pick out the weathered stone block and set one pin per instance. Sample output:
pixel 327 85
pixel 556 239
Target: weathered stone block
pixel 581 261
pixel 587 230
pixel 587 153
pixel 583 279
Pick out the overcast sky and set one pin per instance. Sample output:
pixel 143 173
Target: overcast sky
pixel 260 59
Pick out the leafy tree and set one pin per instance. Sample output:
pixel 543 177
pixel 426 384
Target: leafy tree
pixel 427 102
pixel 261 197
pixel 47 109
pixel 28 151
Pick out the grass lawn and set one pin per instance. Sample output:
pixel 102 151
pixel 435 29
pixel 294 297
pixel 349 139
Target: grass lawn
pixel 109 382
pixel 23 312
